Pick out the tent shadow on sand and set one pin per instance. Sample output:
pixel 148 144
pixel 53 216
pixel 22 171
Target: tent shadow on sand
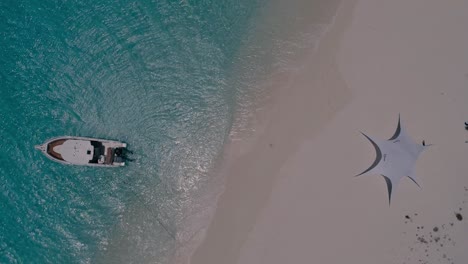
pixel 395 158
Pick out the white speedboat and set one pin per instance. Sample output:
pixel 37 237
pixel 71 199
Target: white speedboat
pixel 84 151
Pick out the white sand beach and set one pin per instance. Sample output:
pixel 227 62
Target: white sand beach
pixel 293 198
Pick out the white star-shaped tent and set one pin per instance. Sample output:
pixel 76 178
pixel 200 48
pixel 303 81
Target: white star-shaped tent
pixel 395 158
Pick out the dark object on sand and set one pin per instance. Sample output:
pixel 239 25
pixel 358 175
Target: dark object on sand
pixel 424 143
pixel 466 125
pixel 459 216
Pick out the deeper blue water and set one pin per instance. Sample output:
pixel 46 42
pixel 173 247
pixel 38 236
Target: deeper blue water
pixel 152 73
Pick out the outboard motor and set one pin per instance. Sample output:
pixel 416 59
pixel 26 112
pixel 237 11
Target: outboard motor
pixel 121 154
pixel 118 152
pixel 119 159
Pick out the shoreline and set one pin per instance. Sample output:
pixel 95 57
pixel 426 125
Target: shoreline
pixel 317 212
pixel 294 113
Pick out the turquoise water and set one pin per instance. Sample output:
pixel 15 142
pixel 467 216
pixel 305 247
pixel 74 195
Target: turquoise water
pixel 174 79
pixel 150 73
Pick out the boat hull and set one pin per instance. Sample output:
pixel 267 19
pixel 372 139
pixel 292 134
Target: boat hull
pixel 110 147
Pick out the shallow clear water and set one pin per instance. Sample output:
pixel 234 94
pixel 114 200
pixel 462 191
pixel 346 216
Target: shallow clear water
pixel 164 76
pixel 150 73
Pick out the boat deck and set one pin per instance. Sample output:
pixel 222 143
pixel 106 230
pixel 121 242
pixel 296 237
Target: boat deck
pixel 50 148
pixel 109 156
